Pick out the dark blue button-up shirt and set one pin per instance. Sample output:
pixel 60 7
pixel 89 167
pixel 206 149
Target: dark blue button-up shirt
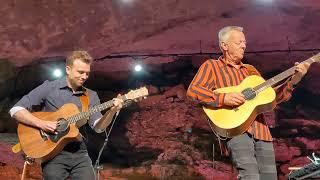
pixel 51 95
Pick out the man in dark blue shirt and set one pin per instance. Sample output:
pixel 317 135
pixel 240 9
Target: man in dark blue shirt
pixel 73 161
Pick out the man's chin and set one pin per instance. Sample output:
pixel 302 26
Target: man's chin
pixel 241 57
pixel 80 84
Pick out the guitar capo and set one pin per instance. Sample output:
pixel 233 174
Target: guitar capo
pixel 315 160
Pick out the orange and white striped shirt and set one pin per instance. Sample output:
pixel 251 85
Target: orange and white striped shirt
pixel 214 74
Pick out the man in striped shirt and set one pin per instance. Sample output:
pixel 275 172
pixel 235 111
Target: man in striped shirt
pixel 252 152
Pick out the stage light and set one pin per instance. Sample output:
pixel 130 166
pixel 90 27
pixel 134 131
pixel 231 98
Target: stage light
pixel 266 1
pixel 138 67
pixel 57 73
pixel 127 1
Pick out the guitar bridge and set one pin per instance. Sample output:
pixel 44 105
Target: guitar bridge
pixel 44 135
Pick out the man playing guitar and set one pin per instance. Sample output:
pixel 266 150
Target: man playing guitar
pixel 252 151
pixel 73 161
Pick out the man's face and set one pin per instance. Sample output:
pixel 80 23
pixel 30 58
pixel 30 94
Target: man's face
pixel 78 73
pixel 235 46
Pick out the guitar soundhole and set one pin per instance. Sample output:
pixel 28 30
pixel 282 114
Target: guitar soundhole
pixel 249 93
pixel 62 125
pixel 62 129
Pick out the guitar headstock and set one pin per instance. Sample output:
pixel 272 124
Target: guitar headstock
pixel 138 93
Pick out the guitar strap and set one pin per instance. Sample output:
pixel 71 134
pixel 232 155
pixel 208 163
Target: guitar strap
pixel 84 99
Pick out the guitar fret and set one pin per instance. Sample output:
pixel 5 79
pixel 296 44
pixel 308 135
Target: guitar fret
pixel 101 107
pixel 276 79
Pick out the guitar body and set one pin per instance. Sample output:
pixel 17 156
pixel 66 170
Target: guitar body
pixel 232 121
pixel 44 146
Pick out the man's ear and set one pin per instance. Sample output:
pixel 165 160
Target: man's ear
pixel 224 46
pixel 68 69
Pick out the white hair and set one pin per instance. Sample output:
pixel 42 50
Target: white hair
pixel 224 33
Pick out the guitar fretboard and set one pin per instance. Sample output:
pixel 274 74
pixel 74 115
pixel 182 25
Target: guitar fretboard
pixel 276 79
pixel 92 110
pixel 308 170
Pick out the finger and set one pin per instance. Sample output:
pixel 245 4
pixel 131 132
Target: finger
pixel 298 69
pixel 51 130
pixel 306 65
pixel 116 102
pixel 236 101
pixel 119 100
pixel 55 131
pixel 239 102
pixel 119 105
pixel 240 97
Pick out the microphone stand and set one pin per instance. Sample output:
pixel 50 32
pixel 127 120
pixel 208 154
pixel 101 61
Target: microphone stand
pixel 97 165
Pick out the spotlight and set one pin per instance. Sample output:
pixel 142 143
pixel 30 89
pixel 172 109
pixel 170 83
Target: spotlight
pixel 127 1
pixel 138 67
pixel 57 73
pixel 266 1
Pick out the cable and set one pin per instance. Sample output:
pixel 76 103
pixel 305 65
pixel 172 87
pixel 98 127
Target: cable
pixel 97 165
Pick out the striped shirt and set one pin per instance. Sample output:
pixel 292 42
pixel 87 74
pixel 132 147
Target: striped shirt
pixel 214 74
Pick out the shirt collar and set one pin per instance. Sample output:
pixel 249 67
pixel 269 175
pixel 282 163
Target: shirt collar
pixel 221 58
pixel 64 85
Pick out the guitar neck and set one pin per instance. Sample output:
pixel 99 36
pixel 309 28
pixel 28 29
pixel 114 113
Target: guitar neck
pixel 94 109
pixel 131 95
pixel 278 78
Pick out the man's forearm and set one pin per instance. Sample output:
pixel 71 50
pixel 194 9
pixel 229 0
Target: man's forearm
pixel 25 117
pixel 105 121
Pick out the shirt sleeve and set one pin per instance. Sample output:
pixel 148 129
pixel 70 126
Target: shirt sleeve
pixel 34 98
pixel 96 116
pixel 15 109
pixel 198 89
pixel 284 91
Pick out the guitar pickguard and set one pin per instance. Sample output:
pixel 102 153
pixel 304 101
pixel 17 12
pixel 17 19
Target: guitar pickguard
pixel 62 129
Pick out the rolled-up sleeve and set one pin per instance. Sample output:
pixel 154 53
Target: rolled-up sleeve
pixel 34 98
pixel 284 91
pixel 96 116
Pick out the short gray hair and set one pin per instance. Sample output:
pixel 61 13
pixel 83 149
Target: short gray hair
pixel 224 33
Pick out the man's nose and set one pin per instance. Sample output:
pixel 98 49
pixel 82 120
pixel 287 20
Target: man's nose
pixel 243 45
pixel 84 76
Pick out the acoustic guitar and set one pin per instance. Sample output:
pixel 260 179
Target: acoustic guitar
pixel 43 146
pixel 260 97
